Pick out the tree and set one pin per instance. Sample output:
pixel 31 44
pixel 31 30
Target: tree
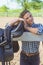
pixel 36 4
pixel 23 3
pixel 5 9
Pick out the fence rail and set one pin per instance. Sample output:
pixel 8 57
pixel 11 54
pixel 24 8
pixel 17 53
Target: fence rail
pixel 38 14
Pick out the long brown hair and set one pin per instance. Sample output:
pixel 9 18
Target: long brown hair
pixel 23 13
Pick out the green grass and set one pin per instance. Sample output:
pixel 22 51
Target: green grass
pixel 16 13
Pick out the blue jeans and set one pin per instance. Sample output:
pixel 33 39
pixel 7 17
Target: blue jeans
pixel 33 60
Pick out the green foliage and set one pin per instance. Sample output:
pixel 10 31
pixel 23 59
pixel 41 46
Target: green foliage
pixel 24 3
pixel 4 8
pixel 36 5
pixel 16 10
pixel 36 1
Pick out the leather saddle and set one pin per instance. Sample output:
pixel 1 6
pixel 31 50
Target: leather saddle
pixel 6 51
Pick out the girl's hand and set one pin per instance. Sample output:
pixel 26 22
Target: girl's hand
pixel 25 24
pixel 21 19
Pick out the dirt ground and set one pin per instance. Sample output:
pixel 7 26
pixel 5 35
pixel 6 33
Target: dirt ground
pixel 16 59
